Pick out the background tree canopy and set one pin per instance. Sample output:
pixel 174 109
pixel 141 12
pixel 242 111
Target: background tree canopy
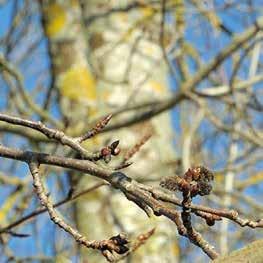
pixel 134 126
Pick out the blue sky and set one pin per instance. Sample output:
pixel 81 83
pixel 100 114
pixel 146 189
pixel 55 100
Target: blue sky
pixel 208 46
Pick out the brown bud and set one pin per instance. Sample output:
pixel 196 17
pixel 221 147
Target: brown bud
pixel 105 151
pixel 170 182
pixel 210 221
pixel 116 151
pixel 114 144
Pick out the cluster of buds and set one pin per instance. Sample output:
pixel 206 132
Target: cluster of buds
pixel 121 242
pixel 108 151
pixel 117 244
pixel 196 181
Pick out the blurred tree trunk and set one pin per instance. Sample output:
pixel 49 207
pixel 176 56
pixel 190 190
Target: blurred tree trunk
pixel 125 67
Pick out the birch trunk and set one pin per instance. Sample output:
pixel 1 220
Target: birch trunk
pixel 113 62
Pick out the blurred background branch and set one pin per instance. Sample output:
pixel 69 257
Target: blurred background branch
pixel 187 74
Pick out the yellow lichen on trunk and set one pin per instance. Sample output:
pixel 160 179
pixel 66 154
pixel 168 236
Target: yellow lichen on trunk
pixel 122 80
pixel 73 76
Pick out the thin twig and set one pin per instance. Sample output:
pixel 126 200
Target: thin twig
pixel 116 244
pixel 40 211
pixel 54 134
